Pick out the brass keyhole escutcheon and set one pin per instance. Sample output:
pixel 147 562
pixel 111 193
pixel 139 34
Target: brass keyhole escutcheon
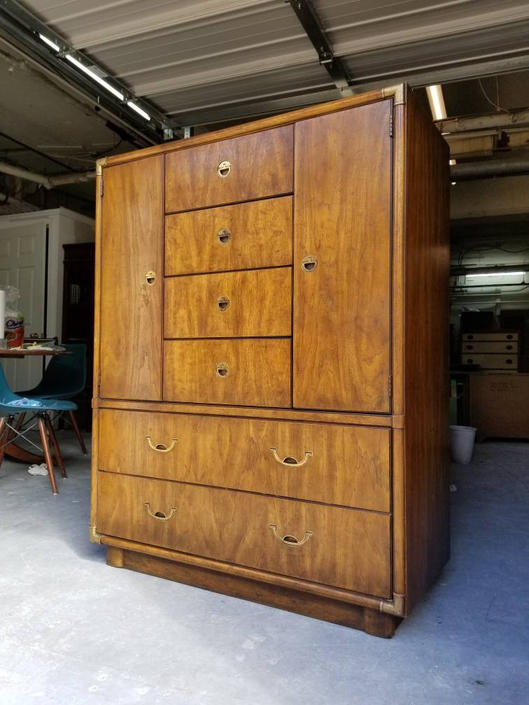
pixel 222 369
pixel 224 236
pixel 309 263
pixel 223 303
pixel 224 169
pixel 150 278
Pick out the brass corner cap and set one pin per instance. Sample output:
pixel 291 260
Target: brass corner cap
pixel 396 607
pixel 94 536
pixel 100 163
pixel 397 92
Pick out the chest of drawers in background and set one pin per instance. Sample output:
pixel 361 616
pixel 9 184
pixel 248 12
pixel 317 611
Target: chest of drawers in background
pixel 257 422
pixel 491 351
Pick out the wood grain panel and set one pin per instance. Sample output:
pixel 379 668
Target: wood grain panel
pixel 257 371
pixel 261 165
pixel 426 352
pixel 259 125
pixel 342 219
pixel 345 548
pixel 233 304
pixel 132 245
pixel 347 465
pixel 331 417
pixel 244 236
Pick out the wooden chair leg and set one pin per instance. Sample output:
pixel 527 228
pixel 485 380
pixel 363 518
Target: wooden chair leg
pixel 56 449
pixel 47 454
pixel 77 431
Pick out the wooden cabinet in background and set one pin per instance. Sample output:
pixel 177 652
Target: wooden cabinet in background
pixel 270 407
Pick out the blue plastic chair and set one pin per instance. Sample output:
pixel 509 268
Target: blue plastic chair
pixel 64 378
pixel 12 406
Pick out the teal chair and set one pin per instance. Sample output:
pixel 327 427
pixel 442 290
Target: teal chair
pixel 64 378
pixel 13 409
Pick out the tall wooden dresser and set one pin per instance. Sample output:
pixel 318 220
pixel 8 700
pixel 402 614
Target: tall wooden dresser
pixel 271 393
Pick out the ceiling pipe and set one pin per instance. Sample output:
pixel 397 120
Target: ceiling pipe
pixel 510 166
pixel 48 182
pixel 484 122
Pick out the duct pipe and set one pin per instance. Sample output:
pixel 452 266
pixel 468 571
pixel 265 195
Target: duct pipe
pixel 489 167
pixel 48 182
pixel 484 122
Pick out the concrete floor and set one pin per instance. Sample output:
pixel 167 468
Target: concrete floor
pixel 75 631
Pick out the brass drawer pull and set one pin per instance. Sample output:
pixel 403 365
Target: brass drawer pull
pixel 309 263
pixel 224 169
pixel 224 236
pixel 160 516
pixel 223 303
pixel 288 539
pixel 289 460
pixel 161 447
pixel 150 278
pixel 222 369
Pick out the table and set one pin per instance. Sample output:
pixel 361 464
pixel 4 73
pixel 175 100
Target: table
pixel 12 450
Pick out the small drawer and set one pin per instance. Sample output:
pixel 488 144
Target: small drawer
pixel 492 362
pixel 253 372
pixel 490 346
pixel 244 236
pixel 330 463
pixel 498 337
pixel 230 171
pixel 229 305
pixel 345 548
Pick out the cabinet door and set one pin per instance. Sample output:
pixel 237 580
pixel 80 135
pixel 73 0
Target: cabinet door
pixel 131 308
pixel 342 238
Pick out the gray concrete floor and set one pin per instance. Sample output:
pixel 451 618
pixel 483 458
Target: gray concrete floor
pixel 77 632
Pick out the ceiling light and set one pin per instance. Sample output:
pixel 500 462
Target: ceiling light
pixel 452 162
pixel 139 110
pixel 497 274
pixel 94 76
pixel 436 100
pixel 51 44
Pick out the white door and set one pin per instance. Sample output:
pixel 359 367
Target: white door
pixel 23 264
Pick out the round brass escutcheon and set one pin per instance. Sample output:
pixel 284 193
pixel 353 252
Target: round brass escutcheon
pixel 222 369
pixel 309 263
pixel 224 236
pixel 223 303
pixel 150 278
pixel 224 169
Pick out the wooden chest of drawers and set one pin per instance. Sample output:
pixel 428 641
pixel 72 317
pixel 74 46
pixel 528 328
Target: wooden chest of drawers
pixel 269 419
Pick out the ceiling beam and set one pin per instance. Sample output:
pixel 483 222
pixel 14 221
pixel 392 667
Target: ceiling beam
pixel 315 32
pixel 22 31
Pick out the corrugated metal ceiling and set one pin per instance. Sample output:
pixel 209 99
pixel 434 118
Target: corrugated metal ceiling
pixel 206 60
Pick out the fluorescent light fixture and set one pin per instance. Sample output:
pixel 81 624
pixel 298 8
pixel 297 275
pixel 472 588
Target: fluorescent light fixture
pixel 49 42
pixel 436 100
pixel 95 77
pixel 497 274
pixel 452 162
pixel 139 110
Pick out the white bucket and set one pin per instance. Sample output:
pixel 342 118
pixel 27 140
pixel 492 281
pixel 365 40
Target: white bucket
pixel 462 443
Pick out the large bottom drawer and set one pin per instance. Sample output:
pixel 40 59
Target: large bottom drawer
pixel 344 548
pixel 331 463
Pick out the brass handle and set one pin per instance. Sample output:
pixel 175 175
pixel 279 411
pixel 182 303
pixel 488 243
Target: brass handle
pixel 289 460
pixel 224 169
pixel 222 369
pixel 161 447
pixel 223 303
pixel 150 278
pixel 160 516
pixel 224 236
pixel 309 263
pixel 288 539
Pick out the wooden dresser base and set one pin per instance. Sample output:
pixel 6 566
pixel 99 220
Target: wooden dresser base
pixel 349 615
